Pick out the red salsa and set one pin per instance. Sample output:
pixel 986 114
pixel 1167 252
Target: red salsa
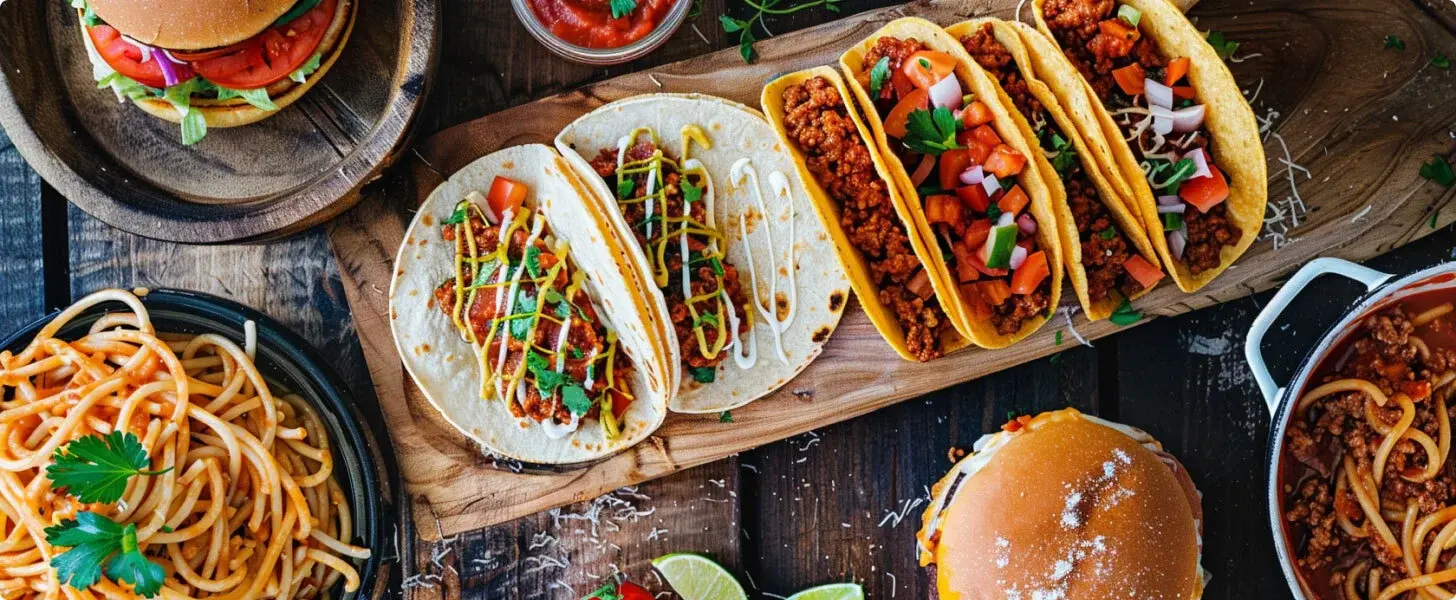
pixel 593 24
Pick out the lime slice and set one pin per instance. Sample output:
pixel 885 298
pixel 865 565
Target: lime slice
pixel 833 591
pixel 696 577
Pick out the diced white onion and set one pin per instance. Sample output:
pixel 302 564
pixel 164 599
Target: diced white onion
pixel 1018 256
pixel 1177 243
pixel 973 175
pixel 1172 208
pixel 1005 219
pixel 1162 120
pixel 946 92
pixel 1158 94
pixel 1026 223
pixel 1188 118
pixel 1201 159
pixel 1169 200
pixel 990 185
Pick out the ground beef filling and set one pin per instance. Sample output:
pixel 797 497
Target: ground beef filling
pixel 816 120
pixel 1385 355
pixel 895 48
pixel 1096 55
pixel 702 273
pixel 1104 248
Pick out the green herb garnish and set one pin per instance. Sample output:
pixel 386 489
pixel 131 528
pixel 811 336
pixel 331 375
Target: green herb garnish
pixel 704 374
pixel 96 468
pixel 522 322
pixel 1223 47
pixel 878 76
pixel 625 186
pixel 691 193
pixel 931 131
pixel 1125 315
pixel 622 8
pixel 725 416
pixel 575 399
pixel 1394 42
pixel 533 262
pixel 1440 61
pixel 1439 171
pixel 98 543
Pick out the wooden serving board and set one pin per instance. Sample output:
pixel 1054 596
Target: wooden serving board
pixel 1362 137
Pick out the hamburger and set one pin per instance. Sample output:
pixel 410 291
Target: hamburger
pixel 213 63
pixel 1065 506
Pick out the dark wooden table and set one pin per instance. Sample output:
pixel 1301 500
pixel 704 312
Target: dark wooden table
pixel 815 509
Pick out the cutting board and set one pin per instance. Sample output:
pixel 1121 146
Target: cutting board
pixel 1357 140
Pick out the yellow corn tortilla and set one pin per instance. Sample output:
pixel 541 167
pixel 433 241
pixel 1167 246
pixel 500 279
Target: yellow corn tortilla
pixel 1090 145
pixel 980 331
pixel 829 214
pixel 1232 130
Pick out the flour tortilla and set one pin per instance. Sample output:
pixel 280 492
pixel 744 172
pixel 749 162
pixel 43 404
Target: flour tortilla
pixel 735 132
pixel 980 331
pixel 1092 148
pixel 1228 119
pixel 444 365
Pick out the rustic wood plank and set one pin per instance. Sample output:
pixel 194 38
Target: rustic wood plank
pixel 22 283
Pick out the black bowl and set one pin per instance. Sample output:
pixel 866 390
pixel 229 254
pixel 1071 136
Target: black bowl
pixel 286 360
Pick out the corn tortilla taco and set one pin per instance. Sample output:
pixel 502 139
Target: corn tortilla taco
pixel 961 164
pixel 727 233
pixel 515 310
pixel 1182 136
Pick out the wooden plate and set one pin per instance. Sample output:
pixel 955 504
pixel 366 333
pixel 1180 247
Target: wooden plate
pixel 294 170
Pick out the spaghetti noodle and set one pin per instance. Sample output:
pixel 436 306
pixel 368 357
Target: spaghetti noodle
pixel 1372 500
pixel 237 501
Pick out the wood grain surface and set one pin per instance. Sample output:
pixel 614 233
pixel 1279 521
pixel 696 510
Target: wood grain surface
pixel 131 170
pixel 1353 206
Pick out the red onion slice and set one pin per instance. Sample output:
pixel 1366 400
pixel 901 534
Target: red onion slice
pixel 1169 200
pixel 1172 208
pixel 927 164
pixel 946 92
pixel 1018 256
pixel 1026 223
pixel 1177 243
pixel 1200 158
pixel 1158 94
pixel 1188 118
pixel 973 175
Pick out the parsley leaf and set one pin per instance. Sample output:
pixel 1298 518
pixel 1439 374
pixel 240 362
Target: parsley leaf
pixel 878 75
pixel 1107 234
pixel 1059 337
pixel 622 8
pixel 606 592
pixel 625 186
pixel 533 262
pixel 1125 315
pixel 691 193
pixel 1394 42
pixel 575 399
pixel 1181 171
pixel 704 374
pixel 1440 61
pixel 1224 48
pixel 458 216
pixel 547 379
pixel 96 468
pixel 525 319
pixel 1066 158
pixel 725 416
pixel 731 25
pixel 97 542
pixel 931 131
pixel 1439 171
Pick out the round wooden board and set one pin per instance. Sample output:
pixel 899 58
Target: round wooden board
pixel 289 172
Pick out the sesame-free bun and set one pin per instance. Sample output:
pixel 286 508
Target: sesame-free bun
pixel 1073 508
pixel 190 24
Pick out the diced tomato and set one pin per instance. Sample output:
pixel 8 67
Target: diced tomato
pixel 978 151
pixel 965 270
pixel 986 135
pixel 981 265
pixel 952 164
pixel 505 194
pixel 1184 92
pixel 974 197
pixel 1118 28
pixel 1004 161
pixel 995 291
pixel 927 67
pixel 943 209
pixel 895 121
pixel 1130 79
pixel 620 402
pixel 631 591
pixel 900 83
pixel 971 293
pixel 1417 390
pixel 1177 68
pixel 920 285
pixel 1017 424
pixel 1205 192
pixel 1143 271
pixel 976 114
pixel 1013 201
pixel 1031 274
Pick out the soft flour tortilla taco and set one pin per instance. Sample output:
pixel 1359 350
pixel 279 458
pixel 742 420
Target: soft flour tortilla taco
pixel 961 164
pixel 859 205
pixel 1104 246
pixel 1184 139
pixel 726 232
pixel 515 311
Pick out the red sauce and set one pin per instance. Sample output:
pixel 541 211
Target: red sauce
pixel 590 23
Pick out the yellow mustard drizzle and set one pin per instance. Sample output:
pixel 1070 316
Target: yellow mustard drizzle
pixel 610 427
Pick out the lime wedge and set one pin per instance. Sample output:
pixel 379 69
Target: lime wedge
pixel 833 591
pixel 695 577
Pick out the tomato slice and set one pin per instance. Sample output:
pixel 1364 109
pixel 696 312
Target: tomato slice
pixel 1005 161
pixel 1035 269
pixel 900 115
pixel 1130 79
pixel 271 56
pixel 1205 192
pixel 952 164
pixel 976 114
pixel 505 194
pixel 126 58
pixel 927 67
pixel 1142 271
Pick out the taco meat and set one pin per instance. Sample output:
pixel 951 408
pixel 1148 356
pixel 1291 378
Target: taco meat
pixel 701 337
pixel 1104 247
pixel 816 119
pixel 966 181
pixel 1136 82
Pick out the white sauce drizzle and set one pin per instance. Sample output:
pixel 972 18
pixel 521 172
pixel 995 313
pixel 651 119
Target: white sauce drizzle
pixel 741 172
pixel 510 303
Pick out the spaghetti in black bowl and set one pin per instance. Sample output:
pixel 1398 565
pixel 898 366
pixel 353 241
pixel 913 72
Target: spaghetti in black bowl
pixel 181 445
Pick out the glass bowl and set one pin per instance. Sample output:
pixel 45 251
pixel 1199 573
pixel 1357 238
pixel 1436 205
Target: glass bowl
pixel 603 56
pixel 289 361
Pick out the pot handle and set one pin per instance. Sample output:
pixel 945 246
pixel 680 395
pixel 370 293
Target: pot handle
pixel 1296 284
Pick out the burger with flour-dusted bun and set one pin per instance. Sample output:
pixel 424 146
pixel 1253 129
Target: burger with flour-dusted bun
pixel 212 63
pixel 1065 506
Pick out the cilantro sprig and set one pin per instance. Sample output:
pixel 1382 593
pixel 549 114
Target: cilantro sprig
pixel 744 27
pixel 96 468
pixel 622 8
pixel 878 76
pixel 931 131
pixel 1438 171
pixel 97 543
pixel 1224 48
pixel 1125 314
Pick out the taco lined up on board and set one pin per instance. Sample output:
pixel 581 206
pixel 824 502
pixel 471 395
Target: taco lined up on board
pixel 888 264
pixel 1185 142
pixel 515 311
pixel 1105 248
pixel 725 231
pixel 961 165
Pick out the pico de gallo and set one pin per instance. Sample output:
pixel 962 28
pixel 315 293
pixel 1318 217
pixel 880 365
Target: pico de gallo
pixel 601 23
pixel 1161 117
pixel 1110 261
pixel 974 203
pixel 516 296
pixel 668 203
pixel 254 70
